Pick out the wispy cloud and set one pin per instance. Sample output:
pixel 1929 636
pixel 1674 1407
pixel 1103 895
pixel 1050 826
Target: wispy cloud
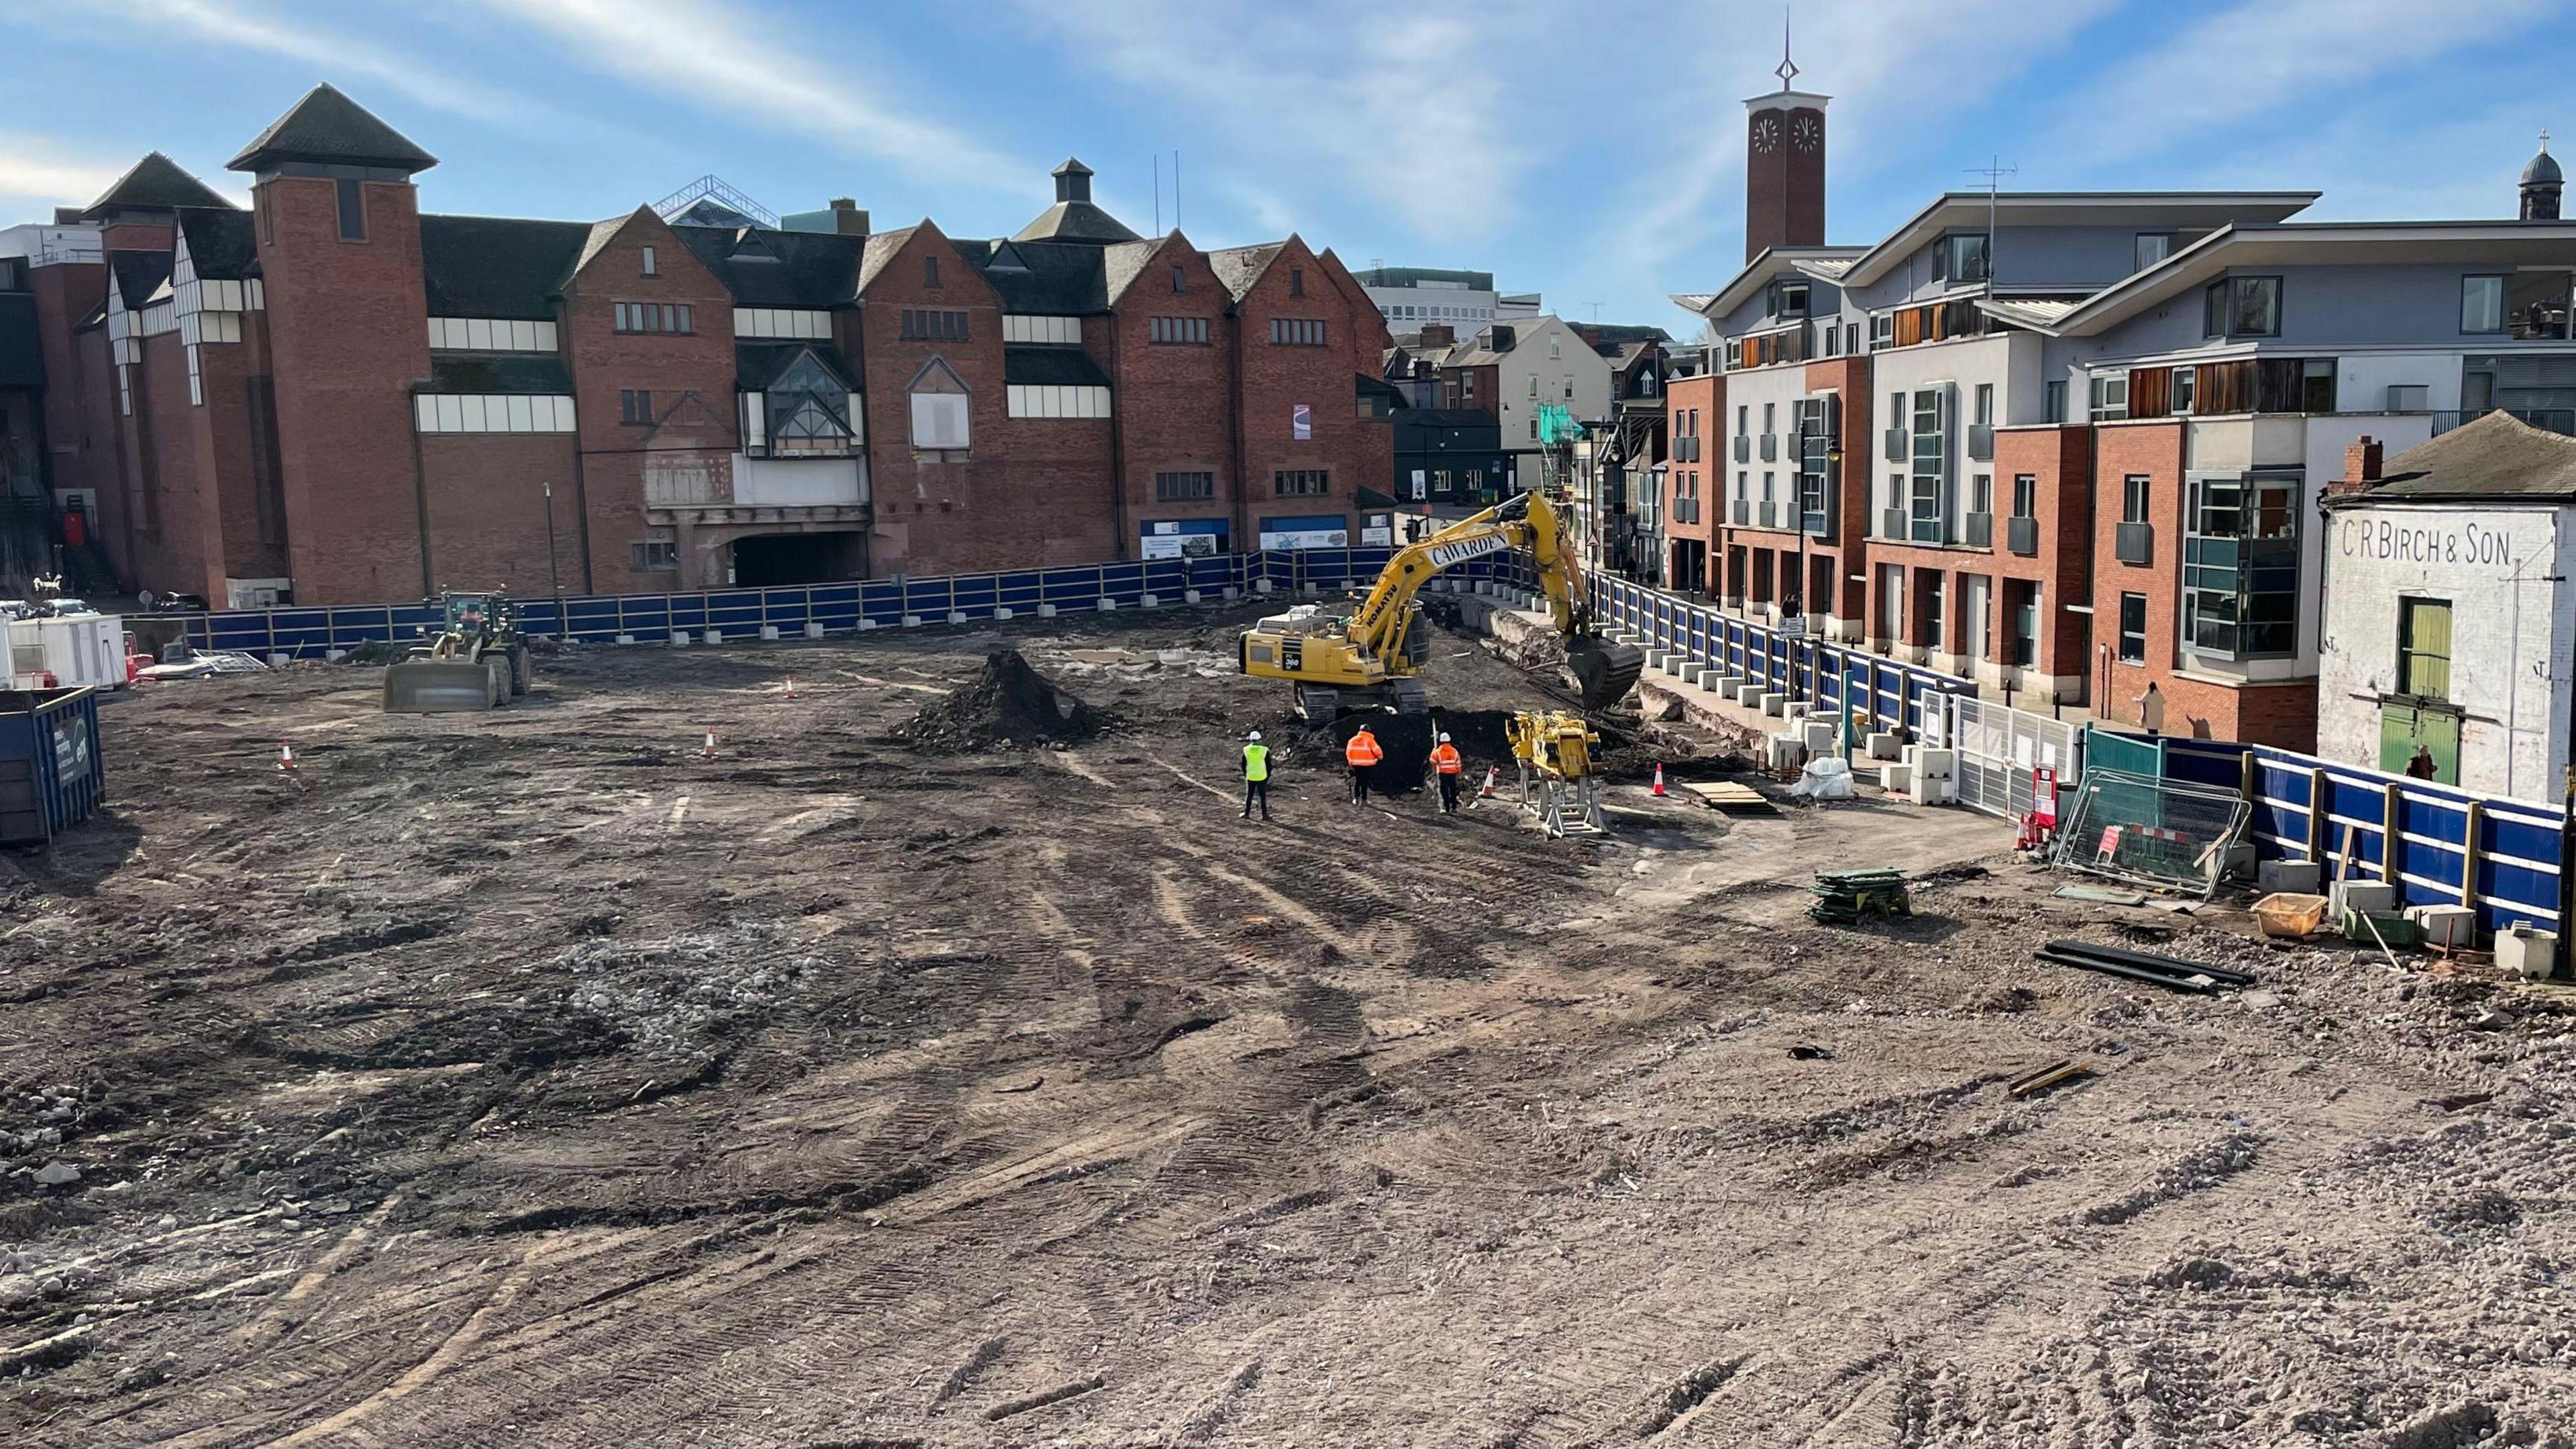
pixel 36 169
pixel 337 55
pixel 1404 107
pixel 2264 56
pixel 710 56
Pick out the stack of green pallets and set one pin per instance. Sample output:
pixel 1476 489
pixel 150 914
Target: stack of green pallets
pixel 1844 897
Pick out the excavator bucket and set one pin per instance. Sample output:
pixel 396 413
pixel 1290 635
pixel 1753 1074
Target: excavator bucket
pixel 1607 670
pixel 439 686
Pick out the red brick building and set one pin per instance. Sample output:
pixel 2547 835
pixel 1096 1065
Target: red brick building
pixel 333 397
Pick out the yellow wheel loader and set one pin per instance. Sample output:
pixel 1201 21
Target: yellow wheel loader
pixel 1369 659
pixel 478 659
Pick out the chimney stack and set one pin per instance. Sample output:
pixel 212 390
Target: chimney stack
pixel 847 218
pixel 1438 334
pixel 2361 463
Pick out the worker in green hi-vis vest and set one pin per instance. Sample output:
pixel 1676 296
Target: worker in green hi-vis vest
pixel 1256 775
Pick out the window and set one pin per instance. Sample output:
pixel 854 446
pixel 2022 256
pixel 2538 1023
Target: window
pixel 353 210
pixel 1301 483
pixel 634 406
pixel 2482 304
pixel 2025 495
pixel 1851 337
pixel 1183 487
pixel 654 554
pixel 1174 331
pixel 1831 333
pixel 2424 648
pixel 1296 332
pixel 1766 485
pixel 2186 382
pixel 922 324
pixel 941 420
pixel 1928 516
pixel 1180 281
pixel 651 269
pixel 1789 299
pixel 1533 384
pixel 1296 281
pixel 674 317
pixel 1981 493
pixel 808 411
pixel 2317 385
pixel 2110 396
pixel 1770 418
pixel 2053 407
pixel 2153 247
pixel 1553 346
pixel 2241 565
pixel 930 271
pixel 1569 389
pixel 1960 258
pixel 2136 493
pixel 1882 330
pixel 2242 307
pixel 2133 628
pixel 1985 404
pixel 1743 411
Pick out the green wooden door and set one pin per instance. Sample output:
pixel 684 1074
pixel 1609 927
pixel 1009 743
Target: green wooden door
pixel 2404 727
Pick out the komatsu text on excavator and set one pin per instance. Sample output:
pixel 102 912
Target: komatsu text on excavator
pixel 1369 659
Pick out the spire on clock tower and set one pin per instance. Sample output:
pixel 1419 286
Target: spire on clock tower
pixel 1784 163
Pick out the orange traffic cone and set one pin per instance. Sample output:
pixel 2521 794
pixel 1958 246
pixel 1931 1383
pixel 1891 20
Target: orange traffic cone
pixel 1659 779
pixel 709 752
pixel 791 686
pixel 1491 774
pixel 286 757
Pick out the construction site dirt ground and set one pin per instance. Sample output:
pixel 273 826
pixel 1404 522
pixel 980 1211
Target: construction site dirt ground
pixel 532 1079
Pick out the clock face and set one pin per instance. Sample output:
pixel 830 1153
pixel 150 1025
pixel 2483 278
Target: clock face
pixel 1807 132
pixel 1766 133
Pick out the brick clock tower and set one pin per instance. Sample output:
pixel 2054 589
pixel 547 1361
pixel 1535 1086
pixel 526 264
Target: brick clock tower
pixel 1784 167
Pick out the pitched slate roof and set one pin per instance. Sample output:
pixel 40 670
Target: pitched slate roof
pixel 497 266
pixel 155 183
pixel 764 268
pixel 1075 221
pixel 1123 262
pixel 1062 278
pixel 757 364
pixel 2498 458
pixel 881 251
pixel 327 126
pixel 22 361
pixel 519 372
pixel 1241 267
pixel 1052 366
pixel 220 244
pixel 138 276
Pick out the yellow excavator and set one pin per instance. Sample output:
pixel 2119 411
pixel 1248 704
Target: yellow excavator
pixel 1369 659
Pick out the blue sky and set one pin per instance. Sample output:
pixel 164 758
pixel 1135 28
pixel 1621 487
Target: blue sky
pixel 1591 151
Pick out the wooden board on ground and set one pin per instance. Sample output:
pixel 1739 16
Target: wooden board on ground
pixel 1731 796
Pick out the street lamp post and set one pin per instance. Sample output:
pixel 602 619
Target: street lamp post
pixel 554 578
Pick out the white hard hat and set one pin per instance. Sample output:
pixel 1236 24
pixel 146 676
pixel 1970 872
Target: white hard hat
pixel 1256 734
pixel 1444 739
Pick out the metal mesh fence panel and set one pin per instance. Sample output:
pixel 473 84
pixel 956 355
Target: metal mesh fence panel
pixel 1999 748
pixel 2160 833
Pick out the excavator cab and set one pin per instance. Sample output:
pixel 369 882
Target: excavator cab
pixel 476 660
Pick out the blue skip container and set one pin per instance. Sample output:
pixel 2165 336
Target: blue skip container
pixel 50 765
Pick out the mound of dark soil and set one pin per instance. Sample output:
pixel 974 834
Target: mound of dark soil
pixel 1008 704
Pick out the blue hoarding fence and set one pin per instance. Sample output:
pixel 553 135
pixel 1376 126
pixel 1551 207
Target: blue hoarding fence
pixel 1822 674
pixel 317 633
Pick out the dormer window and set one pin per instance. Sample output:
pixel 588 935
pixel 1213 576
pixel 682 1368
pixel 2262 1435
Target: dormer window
pixel 809 411
pixel 1960 258
pixel 1789 299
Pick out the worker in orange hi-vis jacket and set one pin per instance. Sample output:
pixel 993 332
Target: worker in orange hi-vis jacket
pixel 1362 754
pixel 1444 759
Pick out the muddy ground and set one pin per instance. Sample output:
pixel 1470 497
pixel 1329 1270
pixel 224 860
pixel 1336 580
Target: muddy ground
pixel 531 1079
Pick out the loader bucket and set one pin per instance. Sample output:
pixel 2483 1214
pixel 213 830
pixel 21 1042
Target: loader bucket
pixel 438 686
pixel 1607 670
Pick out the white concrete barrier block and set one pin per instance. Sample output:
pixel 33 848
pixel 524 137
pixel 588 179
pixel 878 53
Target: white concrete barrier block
pixel 1108 605
pixel 1883 745
pixel 334 655
pixel 813 629
pixel 912 621
pixel 625 638
pixel 1693 671
pixel 1149 601
pixel 768 631
pixel 1259 586
pixel 1232 593
pixel 1820 736
pixel 715 636
pixel 1189 596
pixel 1774 703
pixel 679 638
pixel 1046 611
pixel 1748 694
pixel 280 661
pixel 866 623
pixel 1003 613
pixel 957 616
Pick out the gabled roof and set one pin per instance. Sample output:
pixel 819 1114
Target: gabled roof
pixel 139 276
pixel 1051 366
pixel 1772 263
pixel 520 372
pixel 155 183
pixel 881 250
pixel 328 127
pixel 2037 313
pixel 1062 278
pixel 495 266
pixel 2183 209
pixel 2291 243
pixel 764 268
pixel 220 244
pixel 601 233
pixel 758 364
pixel 1075 221
pixel 1240 268
pixel 2498 458
pixel 1121 263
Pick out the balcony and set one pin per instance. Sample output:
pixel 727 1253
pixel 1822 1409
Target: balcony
pixel 1891 524
pixel 2549 420
pixel 1743 448
pixel 1770 514
pixel 1981 441
pixel 2021 535
pixel 2134 543
pixel 1742 514
pixel 1979 529
pixel 1897 446
pixel 1770 447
